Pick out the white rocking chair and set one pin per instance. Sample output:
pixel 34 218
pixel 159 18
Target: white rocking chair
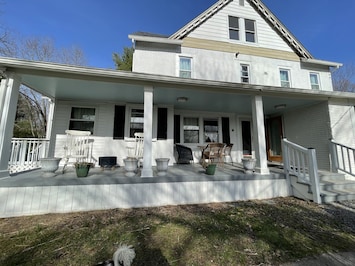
pixel 77 147
pixel 137 150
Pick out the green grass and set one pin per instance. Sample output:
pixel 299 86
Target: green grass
pixel 242 233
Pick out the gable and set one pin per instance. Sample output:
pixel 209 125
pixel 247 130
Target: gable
pixel 213 25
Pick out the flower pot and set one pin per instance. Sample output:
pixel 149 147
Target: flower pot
pixel 82 169
pixel 249 165
pixel 162 166
pixel 130 165
pixel 49 166
pixel 211 169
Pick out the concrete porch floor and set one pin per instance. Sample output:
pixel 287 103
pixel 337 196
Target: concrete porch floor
pixel 98 176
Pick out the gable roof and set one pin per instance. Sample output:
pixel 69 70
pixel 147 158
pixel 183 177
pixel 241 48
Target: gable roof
pixel 260 7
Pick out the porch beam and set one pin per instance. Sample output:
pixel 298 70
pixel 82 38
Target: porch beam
pixel 9 92
pixel 259 135
pixel 147 170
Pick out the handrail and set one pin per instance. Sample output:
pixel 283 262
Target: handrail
pixel 343 158
pixel 26 153
pixel 301 162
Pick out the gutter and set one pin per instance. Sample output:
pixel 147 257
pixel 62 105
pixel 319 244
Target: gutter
pixel 321 62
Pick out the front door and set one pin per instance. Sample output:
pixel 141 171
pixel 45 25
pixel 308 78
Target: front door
pixel 273 138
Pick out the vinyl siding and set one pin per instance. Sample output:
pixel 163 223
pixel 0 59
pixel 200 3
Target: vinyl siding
pixel 309 127
pixel 216 28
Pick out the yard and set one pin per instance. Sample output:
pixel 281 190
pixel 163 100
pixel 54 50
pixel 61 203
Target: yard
pixel 268 232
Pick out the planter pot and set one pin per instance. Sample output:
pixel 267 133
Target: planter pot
pixel 249 165
pixel 130 165
pixel 211 169
pixel 82 169
pixel 49 166
pixel 162 166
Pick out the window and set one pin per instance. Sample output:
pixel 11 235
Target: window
pixel 233 28
pixel 210 127
pixel 249 30
pixel 314 81
pixel 82 119
pixel 241 2
pixel 191 130
pixel 285 78
pixel 244 73
pixel 137 121
pixel 185 67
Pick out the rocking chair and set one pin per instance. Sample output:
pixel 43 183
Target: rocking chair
pixel 76 147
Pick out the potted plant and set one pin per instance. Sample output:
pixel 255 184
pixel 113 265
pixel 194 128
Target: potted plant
pixel 49 166
pixel 82 168
pixel 248 164
pixel 162 166
pixel 130 165
pixel 211 168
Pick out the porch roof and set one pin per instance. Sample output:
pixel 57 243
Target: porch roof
pixel 67 82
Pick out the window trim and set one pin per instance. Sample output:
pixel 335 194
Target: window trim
pixel 289 77
pixel 249 31
pixel 179 65
pixel 318 79
pixel 83 120
pixel 241 73
pixel 230 28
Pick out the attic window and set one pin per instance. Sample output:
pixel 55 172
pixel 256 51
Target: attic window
pixel 233 28
pixel 249 30
pixel 241 2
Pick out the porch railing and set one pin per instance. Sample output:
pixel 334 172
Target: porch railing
pixel 26 153
pixel 343 158
pixel 301 162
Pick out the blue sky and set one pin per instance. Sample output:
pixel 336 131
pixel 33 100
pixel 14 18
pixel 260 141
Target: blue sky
pixel 101 27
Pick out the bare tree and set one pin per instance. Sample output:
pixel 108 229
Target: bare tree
pixel 344 78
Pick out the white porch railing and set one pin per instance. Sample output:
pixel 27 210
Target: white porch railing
pixel 343 158
pixel 301 162
pixel 26 153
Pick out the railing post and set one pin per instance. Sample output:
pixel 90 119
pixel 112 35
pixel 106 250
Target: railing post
pixel 285 158
pixel 313 175
pixel 334 156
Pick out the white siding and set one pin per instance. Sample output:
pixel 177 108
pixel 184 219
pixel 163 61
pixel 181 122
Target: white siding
pixel 19 201
pixel 309 127
pixel 342 122
pixel 216 28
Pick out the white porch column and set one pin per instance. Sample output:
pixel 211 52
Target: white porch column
pixel 49 128
pixel 259 135
pixel 9 91
pixel 147 170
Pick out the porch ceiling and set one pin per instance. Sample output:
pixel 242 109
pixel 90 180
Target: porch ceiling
pixel 63 82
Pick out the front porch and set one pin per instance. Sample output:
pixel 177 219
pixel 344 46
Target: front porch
pixel 29 193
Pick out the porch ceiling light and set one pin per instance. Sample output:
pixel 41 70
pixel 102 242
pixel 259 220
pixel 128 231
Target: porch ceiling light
pixel 182 99
pixel 280 106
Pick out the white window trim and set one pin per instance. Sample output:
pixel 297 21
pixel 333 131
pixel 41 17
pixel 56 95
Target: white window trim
pixel 249 75
pixel 318 77
pixel 242 30
pixel 289 76
pixel 178 64
pixel 83 106
pixel 201 116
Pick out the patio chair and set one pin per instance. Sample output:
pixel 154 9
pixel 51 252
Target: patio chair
pixel 213 152
pixel 184 154
pixel 77 147
pixel 137 150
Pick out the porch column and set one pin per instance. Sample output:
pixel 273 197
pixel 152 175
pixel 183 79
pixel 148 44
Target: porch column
pixel 9 91
pixel 49 128
pixel 259 135
pixel 147 170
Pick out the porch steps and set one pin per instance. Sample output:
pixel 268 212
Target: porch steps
pixel 333 187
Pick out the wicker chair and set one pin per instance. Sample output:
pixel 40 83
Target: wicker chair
pixel 184 154
pixel 213 152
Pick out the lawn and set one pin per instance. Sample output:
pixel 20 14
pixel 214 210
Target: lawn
pixel 267 232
